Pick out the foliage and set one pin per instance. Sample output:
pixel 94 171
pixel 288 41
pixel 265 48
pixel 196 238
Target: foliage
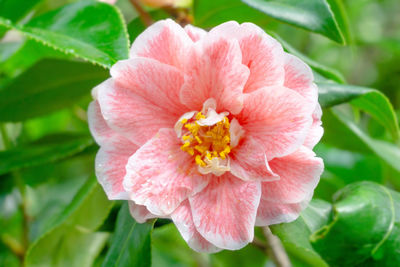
pixel 54 213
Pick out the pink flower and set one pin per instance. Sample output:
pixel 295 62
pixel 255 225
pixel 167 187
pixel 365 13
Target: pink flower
pixel 213 130
pixel 111 2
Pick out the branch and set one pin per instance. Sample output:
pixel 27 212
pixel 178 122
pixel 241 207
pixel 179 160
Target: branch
pixel 143 14
pixel 275 249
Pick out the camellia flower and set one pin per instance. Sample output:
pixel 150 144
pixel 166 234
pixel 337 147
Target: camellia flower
pixel 213 130
pixel 111 2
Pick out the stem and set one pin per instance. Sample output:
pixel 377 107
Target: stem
pixel 275 249
pixel 181 15
pixel 21 187
pixel 143 14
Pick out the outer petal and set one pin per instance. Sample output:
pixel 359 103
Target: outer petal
pixel 195 33
pixel 113 155
pixel 142 98
pixel 316 130
pixel 273 213
pixel 140 213
pixel 183 220
pixel 215 71
pixel 299 77
pixel 278 118
pixel 165 41
pixel 160 175
pixel 224 212
pixel 299 174
pixel 248 162
pixel 261 53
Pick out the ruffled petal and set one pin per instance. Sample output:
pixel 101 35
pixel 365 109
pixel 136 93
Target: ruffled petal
pixel 316 130
pixel 182 217
pixel 165 41
pixel 195 33
pixel 140 213
pixel 215 71
pixel 113 155
pixel 261 53
pixel 141 98
pixel 278 118
pixel 160 175
pixel 273 213
pixel 299 174
pixel 248 162
pixel 224 212
pixel 299 77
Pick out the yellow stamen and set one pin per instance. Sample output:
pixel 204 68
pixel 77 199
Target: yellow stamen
pixel 206 142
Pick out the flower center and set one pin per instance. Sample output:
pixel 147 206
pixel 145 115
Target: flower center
pixel 206 143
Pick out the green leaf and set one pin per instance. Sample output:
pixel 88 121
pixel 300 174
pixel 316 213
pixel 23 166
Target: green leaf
pixel 318 67
pixel 71 240
pixel 373 102
pixel 342 19
pixel 339 124
pixel 87 29
pixel 48 86
pixel 179 255
pixel 312 15
pixel 26 54
pixel 15 10
pixel 295 235
pixel 131 244
pixel 46 150
pixel 365 230
pixel 209 14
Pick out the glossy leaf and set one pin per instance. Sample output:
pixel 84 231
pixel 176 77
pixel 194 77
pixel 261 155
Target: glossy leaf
pixel 209 14
pixel 45 150
pixel 87 29
pixel 131 244
pixel 365 230
pixel 295 235
pixel 373 102
pixel 15 10
pixel 339 10
pixel 180 254
pixel 26 55
pixel 48 86
pixel 339 124
pixel 327 72
pixel 70 239
pixel 312 15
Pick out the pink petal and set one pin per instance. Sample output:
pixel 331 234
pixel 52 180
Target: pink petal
pixel 299 77
pixel 195 33
pixel 183 220
pixel 261 53
pixel 248 162
pixel 165 41
pixel 101 132
pixel 316 130
pixel 160 175
pixel 273 213
pixel 224 212
pixel 113 155
pixel 215 71
pixel 140 213
pixel 278 118
pixel 142 98
pixel 299 174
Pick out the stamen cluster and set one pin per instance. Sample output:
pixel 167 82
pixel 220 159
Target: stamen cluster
pixel 206 142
